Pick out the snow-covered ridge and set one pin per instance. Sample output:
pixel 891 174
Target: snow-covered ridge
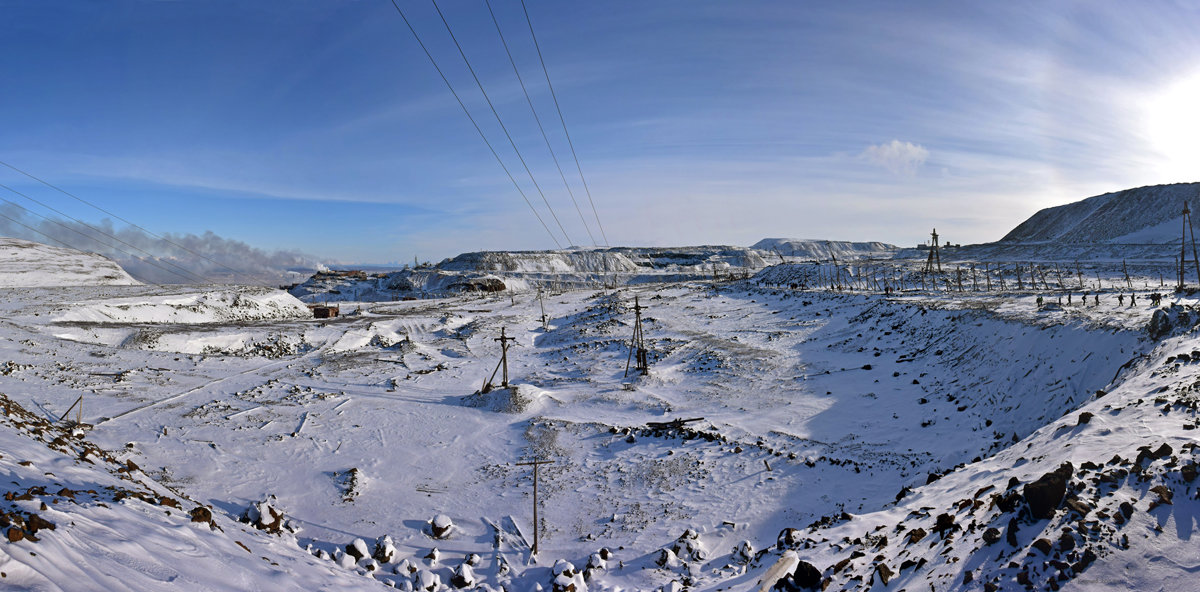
pixel 607 260
pixel 1142 215
pixel 233 304
pixel 26 264
pixel 520 271
pixel 822 249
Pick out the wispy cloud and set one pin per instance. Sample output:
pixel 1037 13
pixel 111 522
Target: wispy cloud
pixel 901 158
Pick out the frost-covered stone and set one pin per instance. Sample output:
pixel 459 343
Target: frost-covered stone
pixel 427 581
pixel 357 549
pixel 405 568
pixel 264 516
pixel 464 577
pixel 743 553
pixel 441 526
pixel 385 549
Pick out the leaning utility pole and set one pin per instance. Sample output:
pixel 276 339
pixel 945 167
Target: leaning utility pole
pixel 934 255
pixel 536 525
pixel 1187 223
pixel 542 301
pixel 638 343
pixel 503 339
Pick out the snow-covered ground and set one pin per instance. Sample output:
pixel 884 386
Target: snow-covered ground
pixel 817 410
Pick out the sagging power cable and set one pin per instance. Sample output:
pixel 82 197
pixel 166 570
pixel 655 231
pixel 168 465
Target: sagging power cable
pixel 500 121
pixel 539 122
pixel 564 123
pixel 474 123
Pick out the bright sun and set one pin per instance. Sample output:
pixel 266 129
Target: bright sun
pixel 1173 128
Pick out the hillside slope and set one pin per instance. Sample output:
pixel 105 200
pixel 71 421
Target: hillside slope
pixel 77 517
pixel 822 249
pixel 1143 215
pixel 25 264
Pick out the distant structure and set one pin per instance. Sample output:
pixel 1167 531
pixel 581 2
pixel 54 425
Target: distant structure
pixel 1187 224
pixel 324 311
pixel 934 255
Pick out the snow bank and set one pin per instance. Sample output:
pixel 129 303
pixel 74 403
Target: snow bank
pixel 237 304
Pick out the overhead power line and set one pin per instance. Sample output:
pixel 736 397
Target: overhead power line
pixel 539 122
pixel 84 201
pixel 475 124
pixel 564 123
pixel 498 120
pixel 182 273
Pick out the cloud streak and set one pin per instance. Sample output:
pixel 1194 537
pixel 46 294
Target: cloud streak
pixel 901 158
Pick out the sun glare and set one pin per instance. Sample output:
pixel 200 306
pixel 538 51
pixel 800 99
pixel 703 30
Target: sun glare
pixel 1173 128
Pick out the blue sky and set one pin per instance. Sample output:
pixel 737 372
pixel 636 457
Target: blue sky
pixel 320 126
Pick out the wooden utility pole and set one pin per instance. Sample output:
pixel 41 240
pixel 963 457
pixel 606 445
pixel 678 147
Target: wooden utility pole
pixel 638 343
pixel 536 525
pixel 934 255
pixel 78 406
pixel 542 301
pixel 1187 224
pixel 503 339
pixel 987 275
pixel 1128 282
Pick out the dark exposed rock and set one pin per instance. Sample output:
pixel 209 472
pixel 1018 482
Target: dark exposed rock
pixel 35 523
pixel 991 536
pixel 916 535
pixel 945 525
pixel 806 576
pixel 201 514
pixel 1011 532
pixel 1084 418
pixel 1164 494
pixel 1078 505
pixel 884 573
pixel 1045 494
pixel 1066 542
pixel 1126 509
pixel 1043 545
pixel 1007 502
pixel 789 538
pixel 1088 557
pixel 1188 472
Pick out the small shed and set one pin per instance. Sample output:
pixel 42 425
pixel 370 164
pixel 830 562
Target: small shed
pixel 324 311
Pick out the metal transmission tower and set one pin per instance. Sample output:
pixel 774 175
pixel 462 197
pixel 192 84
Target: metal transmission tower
pixel 1187 224
pixel 934 255
pixel 638 343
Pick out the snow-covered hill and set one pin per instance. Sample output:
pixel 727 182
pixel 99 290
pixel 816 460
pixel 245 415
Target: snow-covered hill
pixel 822 250
pixel 524 271
pixel 1143 215
pixel 28 264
